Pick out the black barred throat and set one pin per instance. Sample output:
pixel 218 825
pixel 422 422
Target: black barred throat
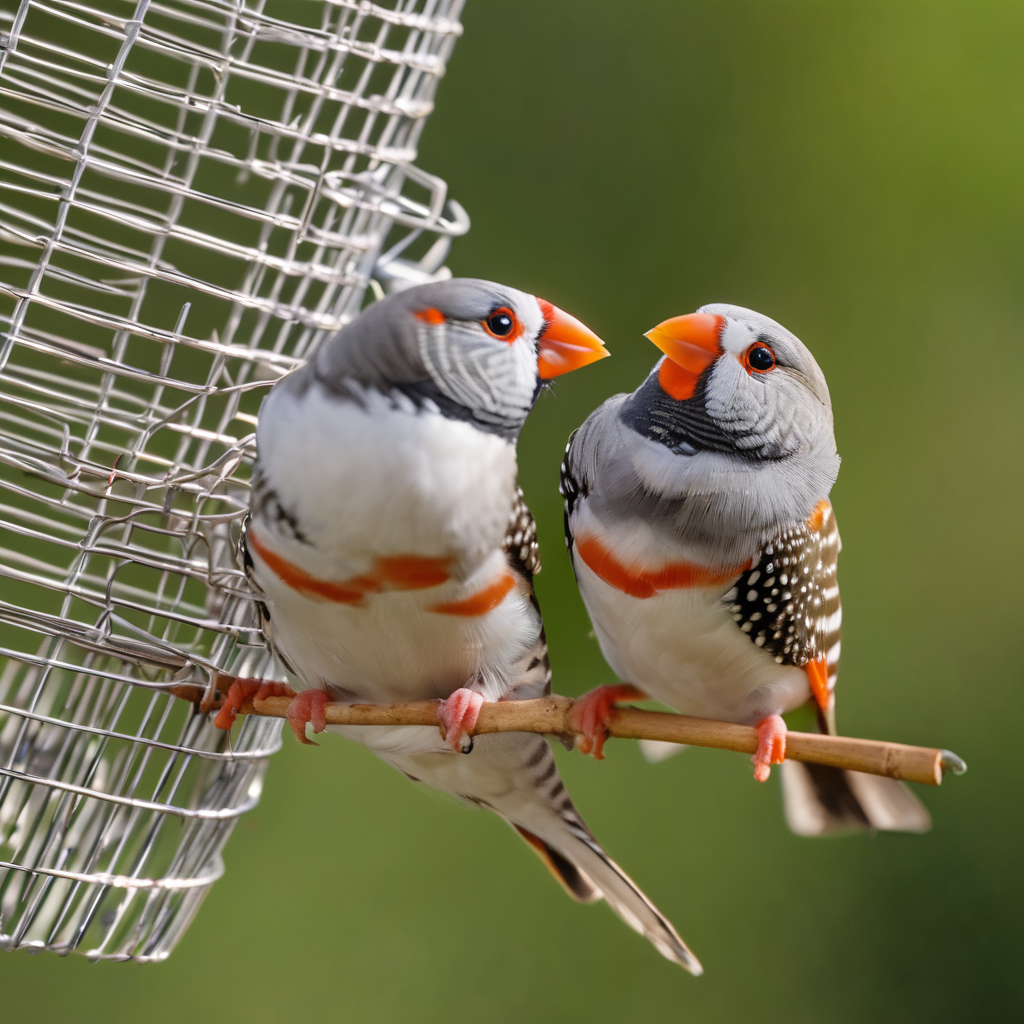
pixel 788 603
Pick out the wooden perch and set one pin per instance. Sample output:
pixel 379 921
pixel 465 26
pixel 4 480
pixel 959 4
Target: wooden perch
pixel 551 715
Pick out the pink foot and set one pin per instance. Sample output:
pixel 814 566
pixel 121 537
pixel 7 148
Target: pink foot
pixel 592 712
pixel 458 715
pixel 308 707
pixel 242 690
pixel 771 746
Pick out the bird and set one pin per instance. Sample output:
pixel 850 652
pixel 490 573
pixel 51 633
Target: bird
pixel 393 554
pixel 705 547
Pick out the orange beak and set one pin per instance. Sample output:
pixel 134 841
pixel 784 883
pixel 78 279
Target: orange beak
pixel 565 344
pixel 691 344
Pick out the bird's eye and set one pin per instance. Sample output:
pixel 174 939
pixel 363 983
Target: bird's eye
pixel 760 358
pixel 502 323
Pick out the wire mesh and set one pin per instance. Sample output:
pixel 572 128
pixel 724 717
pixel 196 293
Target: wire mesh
pixel 193 194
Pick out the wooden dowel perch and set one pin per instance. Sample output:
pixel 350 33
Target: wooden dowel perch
pixel 551 715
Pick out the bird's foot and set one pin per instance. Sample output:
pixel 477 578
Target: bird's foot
pixel 458 715
pixel 771 746
pixel 591 713
pixel 308 707
pixel 242 690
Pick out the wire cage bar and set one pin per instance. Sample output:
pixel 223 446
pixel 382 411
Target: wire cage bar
pixel 193 194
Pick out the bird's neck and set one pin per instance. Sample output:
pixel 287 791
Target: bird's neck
pixel 714 508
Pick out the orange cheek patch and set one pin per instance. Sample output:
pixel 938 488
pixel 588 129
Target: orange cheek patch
pixel 817 676
pixel 676 381
pixel 818 515
pixel 480 603
pixel 429 315
pixel 643 583
pixel 400 572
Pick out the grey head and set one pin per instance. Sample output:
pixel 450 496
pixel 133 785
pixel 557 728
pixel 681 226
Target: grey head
pixel 471 349
pixel 729 440
pixel 736 382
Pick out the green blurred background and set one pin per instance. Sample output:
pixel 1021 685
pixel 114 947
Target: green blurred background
pixel 853 170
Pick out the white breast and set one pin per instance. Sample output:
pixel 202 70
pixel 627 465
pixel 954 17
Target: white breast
pixel 381 479
pixel 683 648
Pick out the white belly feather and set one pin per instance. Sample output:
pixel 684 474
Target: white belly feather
pixel 379 478
pixel 376 482
pixel 392 647
pixel 683 648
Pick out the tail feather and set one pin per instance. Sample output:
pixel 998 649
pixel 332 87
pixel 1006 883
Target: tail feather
pixel 626 899
pixel 579 863
pixel 567 874
pixel 515 776
pixel 820 800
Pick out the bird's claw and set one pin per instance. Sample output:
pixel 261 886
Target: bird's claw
pixel 242 690
pixel 771 746
pixel 591 713
pixel 457 716
pixel 308 707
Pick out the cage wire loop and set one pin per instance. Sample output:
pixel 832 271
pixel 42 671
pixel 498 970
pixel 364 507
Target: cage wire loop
pixel 193 195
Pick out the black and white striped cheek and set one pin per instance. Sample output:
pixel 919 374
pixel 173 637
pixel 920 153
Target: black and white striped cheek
pixel 494 379
pixel 748 409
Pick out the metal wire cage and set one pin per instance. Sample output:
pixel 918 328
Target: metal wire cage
pixel 193 193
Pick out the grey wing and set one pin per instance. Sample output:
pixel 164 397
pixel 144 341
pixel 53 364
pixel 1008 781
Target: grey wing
pixel 245 560
pixel 266 624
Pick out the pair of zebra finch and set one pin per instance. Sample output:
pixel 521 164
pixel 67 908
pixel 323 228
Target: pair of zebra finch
pixel 394 554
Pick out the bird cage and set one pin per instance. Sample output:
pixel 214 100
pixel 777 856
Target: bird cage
pixel 193 195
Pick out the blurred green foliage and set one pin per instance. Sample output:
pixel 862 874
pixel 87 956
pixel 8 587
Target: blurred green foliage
pixel 853 170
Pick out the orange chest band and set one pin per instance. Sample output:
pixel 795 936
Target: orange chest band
pixel 480 603
pixel 647 582
pixel 397 572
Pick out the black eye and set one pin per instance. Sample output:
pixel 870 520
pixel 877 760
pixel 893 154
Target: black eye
pixel 761 358
pixel 501 323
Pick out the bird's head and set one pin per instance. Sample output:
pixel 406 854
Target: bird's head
pixel 735 382
pixel 736 434
pixel 481 351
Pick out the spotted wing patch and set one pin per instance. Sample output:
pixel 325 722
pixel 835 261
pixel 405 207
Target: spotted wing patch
pixel 520 542
pixel 788 603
